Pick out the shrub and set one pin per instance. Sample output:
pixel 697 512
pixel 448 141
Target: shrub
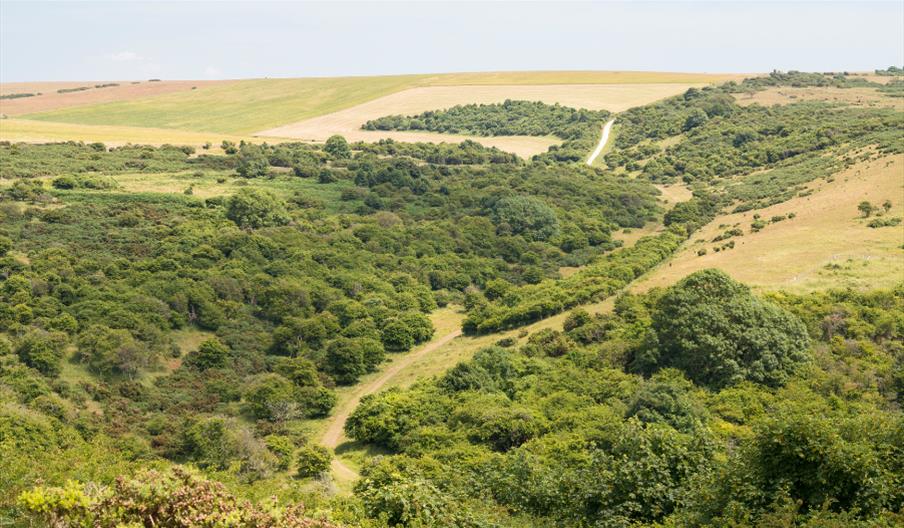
pixel 312 461
pixel 526 216
pixel 174 498
pixel 42 350
pixel 883 222
pixel 210 354
pixel 337 147
pixel 547 342
pixel 272 397
pixel 254 208
pixel 715 331
pixel 397 336
pixel 251 162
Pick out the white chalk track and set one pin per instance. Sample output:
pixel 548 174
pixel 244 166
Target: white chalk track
pixel 599 148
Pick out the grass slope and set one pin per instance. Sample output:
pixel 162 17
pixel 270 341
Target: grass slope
pixel 826 245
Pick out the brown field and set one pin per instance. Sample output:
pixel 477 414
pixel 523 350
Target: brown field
pixel 51 100
pixel 854 96
pixel 613 97
pixel 827 245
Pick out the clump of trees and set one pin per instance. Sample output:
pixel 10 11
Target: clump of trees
pixel 520 306
pixel 537 427
pixel 715 331
pixel 510 118
pixel 579 128
pixel 256 208
pixel 526 216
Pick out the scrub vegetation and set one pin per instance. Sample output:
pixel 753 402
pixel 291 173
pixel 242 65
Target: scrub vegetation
pixel 179 326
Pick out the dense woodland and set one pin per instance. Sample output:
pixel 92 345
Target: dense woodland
pixel 163 354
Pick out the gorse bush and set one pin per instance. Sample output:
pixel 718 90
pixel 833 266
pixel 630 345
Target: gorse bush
pixel 174 499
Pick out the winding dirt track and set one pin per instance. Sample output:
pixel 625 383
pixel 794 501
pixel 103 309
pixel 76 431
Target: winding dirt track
pixel 333 434
pixel 599 148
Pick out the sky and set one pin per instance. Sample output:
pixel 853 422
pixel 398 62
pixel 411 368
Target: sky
pixel 128 40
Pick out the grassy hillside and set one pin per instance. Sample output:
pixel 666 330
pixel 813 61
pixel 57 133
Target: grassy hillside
pixel 251 105
pixel 827 244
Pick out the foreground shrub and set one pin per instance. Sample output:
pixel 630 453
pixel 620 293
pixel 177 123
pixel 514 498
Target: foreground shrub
pixel 175 498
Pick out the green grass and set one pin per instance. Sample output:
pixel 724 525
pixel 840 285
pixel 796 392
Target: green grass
pixel 207 185
pixel 252 105
pixel 170 186
pixel 240 107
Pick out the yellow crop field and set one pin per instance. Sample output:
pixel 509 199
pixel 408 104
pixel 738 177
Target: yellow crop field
pixel 29 131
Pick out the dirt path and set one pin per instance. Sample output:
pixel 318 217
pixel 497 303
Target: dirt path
pixel 333 434
pixel 599 148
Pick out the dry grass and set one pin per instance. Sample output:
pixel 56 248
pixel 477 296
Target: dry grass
pixel 826 245
pixel 613 97
pixel 674 193
pixel 671 194
pixel 51 100
pixel 28 131
pixel 629 237
pixel 872 77
pixel 176 183
pixel 783 95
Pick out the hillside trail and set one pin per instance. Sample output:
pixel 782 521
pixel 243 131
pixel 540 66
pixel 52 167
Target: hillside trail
pixel 333 434
pixel 603 140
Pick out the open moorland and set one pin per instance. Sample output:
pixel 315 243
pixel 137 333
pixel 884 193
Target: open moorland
pixel 702 326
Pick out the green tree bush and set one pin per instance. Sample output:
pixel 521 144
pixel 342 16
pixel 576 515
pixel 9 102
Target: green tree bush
pixel 337 147
pixel 715 331
pixel 254 208
pixel 312 461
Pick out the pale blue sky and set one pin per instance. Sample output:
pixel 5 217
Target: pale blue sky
pixel 198 40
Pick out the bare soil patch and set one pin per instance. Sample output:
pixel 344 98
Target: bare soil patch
pixel 51 100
